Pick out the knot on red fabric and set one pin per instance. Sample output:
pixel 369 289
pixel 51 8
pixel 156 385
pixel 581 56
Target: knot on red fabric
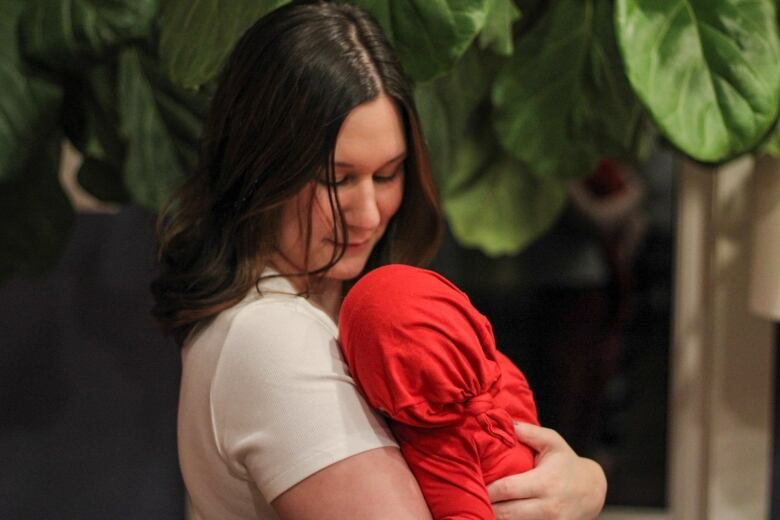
pixel 479 404
pixel 496 421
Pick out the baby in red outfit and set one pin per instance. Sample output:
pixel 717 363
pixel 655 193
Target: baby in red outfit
pixel 422 355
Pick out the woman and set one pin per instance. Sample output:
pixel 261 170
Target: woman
pixel 312 168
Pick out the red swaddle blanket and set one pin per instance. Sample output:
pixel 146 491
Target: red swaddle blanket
pixel 421 354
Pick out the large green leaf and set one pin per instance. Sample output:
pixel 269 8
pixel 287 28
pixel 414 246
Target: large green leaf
pixel 708 71
pixel 445 123
pixel 435 125
pixel 491 201
pixel 495 204
pixel 609 116
pixel 182 110
pixel 562 100
pixel 497 33
pixel 429 35
pixel 35 215
pixel 197 36
pixel 30 102
pixel 72 34
pixel 161 125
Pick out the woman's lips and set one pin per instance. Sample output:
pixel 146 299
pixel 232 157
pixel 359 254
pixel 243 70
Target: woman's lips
pixel 353 246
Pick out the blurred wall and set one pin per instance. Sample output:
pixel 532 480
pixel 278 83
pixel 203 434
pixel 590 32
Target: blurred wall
pixel 88 386
pixel 723 354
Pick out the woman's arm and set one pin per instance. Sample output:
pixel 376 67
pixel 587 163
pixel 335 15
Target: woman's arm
pixel 562 486
pixel 372 485
pixel 377 484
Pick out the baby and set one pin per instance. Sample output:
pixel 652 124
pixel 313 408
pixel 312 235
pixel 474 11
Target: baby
pixel 423 356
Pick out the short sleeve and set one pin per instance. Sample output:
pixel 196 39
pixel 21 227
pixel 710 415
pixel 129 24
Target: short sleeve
pixel 283 404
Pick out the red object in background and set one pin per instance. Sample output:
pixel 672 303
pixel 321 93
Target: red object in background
pixel 609 178
pixel 420 353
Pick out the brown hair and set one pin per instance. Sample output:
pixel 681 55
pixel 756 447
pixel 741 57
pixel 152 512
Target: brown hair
pixel 283 95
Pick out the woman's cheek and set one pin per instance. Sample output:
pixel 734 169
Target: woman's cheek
pixel 322 218
pixel 396 198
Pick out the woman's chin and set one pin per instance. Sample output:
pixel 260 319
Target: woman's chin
pixel 347 269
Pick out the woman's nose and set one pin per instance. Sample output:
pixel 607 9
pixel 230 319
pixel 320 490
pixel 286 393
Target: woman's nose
pixel 363 211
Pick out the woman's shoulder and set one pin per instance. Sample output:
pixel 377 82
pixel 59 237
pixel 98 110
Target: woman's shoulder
pixel 270 308
pixel 270 329
pixel 279 317
pixel 275 303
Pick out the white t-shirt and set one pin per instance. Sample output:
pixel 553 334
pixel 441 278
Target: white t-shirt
pixel 266 401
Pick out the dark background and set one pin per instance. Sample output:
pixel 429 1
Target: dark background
pixel 88 387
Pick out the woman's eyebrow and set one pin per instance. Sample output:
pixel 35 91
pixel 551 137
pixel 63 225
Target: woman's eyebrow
pixel 398 157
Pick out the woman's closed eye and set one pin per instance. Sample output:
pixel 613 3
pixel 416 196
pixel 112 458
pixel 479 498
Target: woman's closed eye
pixel 388 178
pixel 339 180
pixel 343 180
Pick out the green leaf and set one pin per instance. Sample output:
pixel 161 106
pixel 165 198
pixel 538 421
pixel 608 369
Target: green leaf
pixel 435 125
pixel 30 103
pixel 35 215
pixel 708 71
pixel 429 35
pixel 609 116
pixel 197 36
pixel 182 110
pixel 72 34
pixel 445 123
pixel 539 89
pixel 491 201
pixel 160 123
pixel 562 100
pixel 497 205
pixel 771 144
pixel 497 33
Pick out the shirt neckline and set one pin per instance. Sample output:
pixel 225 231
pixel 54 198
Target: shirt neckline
pixel 278 283
pixel 281 285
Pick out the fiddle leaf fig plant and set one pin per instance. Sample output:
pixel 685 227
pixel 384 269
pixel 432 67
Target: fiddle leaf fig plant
pixel 35 215
pixel 160 124
pixel 497 33
pixel 771 145
pixel 516 97
pixel 707 72
pixel 429 37
pixel 196 36
pixel 481 184
pixel 30 100
pixel 562 100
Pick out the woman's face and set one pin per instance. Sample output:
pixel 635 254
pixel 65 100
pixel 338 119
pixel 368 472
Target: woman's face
pixel 369 161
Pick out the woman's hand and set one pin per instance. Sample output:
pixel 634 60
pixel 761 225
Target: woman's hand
pixel 562 486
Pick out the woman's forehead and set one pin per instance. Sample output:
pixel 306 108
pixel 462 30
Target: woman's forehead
pixel 371 136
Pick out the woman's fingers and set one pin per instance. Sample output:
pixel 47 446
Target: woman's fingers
pixel 539 438
pixel 532 509
pixel 514 487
